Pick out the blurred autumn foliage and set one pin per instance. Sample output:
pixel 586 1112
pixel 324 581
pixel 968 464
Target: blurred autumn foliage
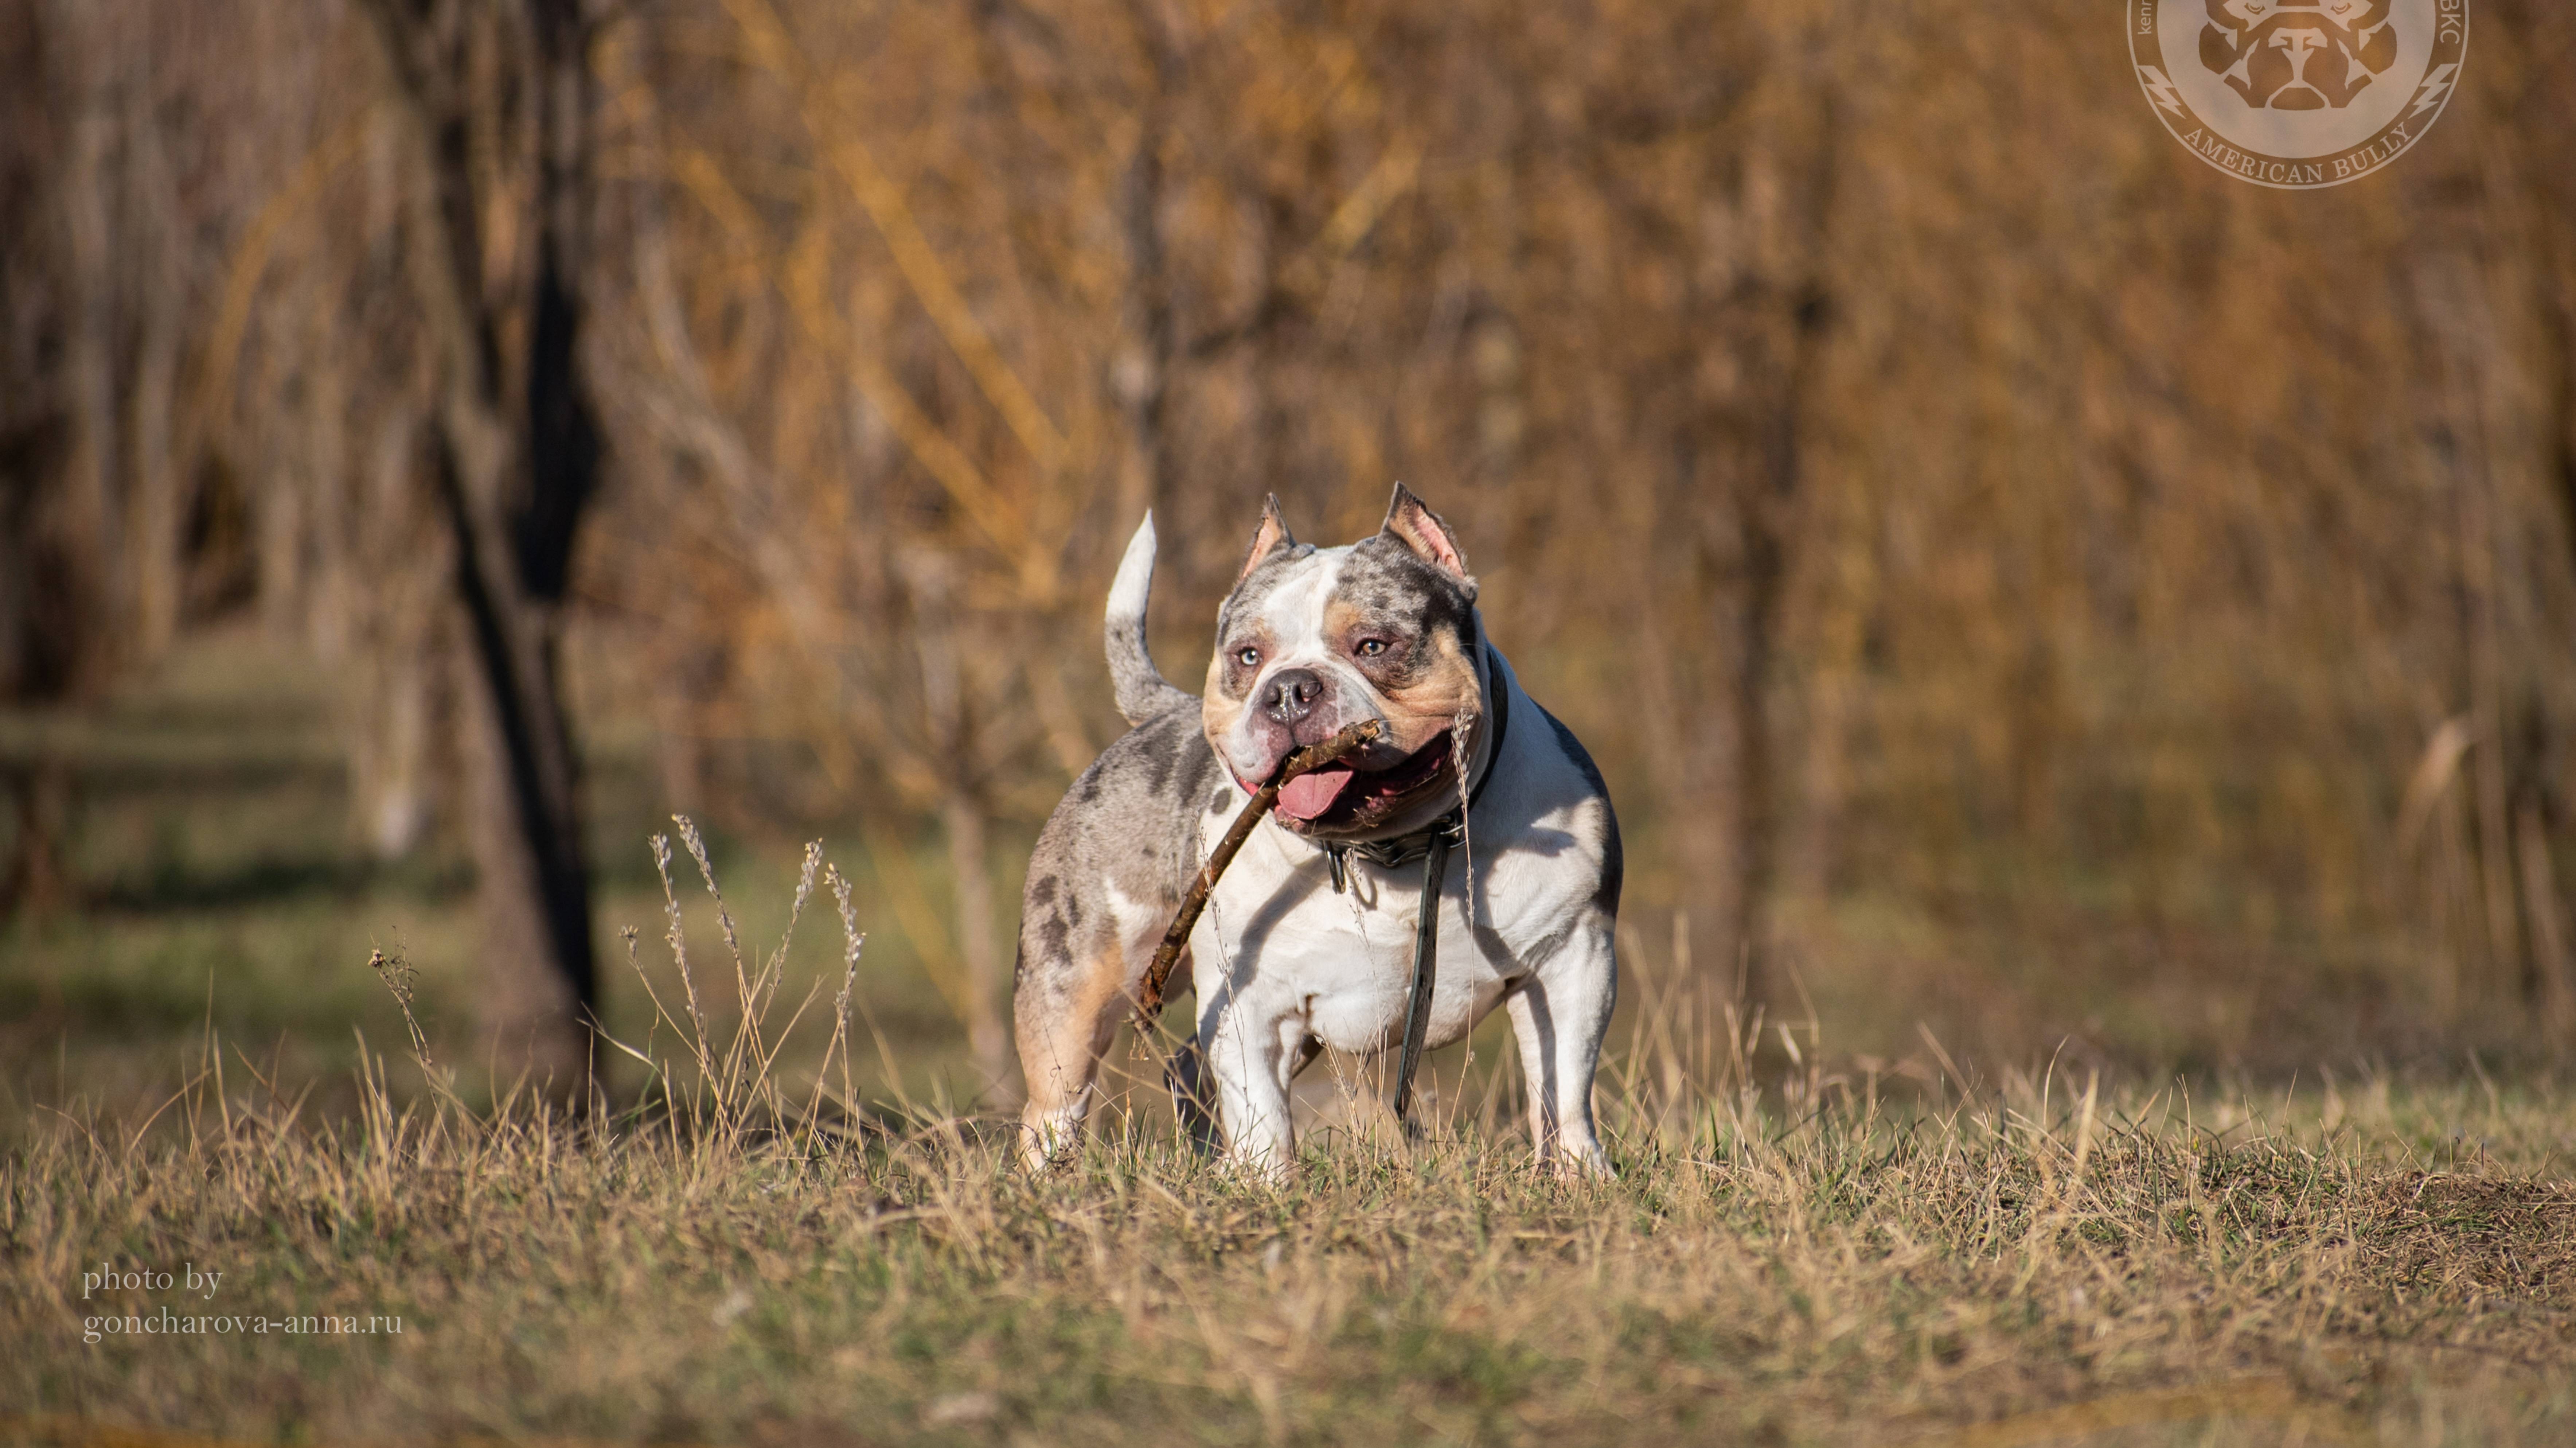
pixel 1922 483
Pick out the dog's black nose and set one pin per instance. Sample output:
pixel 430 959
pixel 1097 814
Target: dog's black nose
pixel 1291 695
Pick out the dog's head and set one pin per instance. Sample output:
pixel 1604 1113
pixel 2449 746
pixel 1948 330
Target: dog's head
pixel 1312 641
pixel 2298 55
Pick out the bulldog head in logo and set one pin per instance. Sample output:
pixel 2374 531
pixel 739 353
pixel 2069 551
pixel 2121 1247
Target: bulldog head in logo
pixel 2298 55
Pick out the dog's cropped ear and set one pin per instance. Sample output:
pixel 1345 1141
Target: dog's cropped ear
pixel 1269 538
pixel 1421 530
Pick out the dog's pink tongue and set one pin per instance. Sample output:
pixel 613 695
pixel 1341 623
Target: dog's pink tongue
pixel 1312 793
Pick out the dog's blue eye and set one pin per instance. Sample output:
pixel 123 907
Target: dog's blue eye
pixel 1247 657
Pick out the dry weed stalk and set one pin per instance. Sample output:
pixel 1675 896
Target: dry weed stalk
pixel 735 1092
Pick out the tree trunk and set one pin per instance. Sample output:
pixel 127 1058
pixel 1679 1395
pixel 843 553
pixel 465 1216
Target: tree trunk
pixel 961 812
pixel 154 540
pixel 2547 916
pixel 39 793
pixel 1736 857
pixel 96 503
pixel 961 816
pixel 525 827
pixel 1144 368
pixel 1752 801
pixel 517 461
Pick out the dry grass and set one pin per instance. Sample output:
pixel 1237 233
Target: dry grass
pixel 734 1259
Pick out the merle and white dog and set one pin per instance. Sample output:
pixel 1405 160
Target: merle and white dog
pixel 1307 941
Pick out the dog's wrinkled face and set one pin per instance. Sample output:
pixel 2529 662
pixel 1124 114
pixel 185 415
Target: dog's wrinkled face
pixel 1312 641
pixel 2298 55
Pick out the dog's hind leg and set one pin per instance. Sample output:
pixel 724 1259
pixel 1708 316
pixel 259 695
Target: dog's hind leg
pixel 1068 991
pixel 1065 1013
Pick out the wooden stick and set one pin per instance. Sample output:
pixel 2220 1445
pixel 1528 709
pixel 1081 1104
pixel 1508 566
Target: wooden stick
pixel 1149 998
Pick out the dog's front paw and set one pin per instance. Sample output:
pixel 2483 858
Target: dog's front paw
pixel 1272 1168
pixel 1049 1139
pixel 1576 1160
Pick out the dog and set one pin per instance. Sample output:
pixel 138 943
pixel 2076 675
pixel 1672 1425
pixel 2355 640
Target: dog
pixel 1308 938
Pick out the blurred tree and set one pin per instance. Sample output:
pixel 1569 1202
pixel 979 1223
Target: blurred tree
pixel 1932 494
pixel 495 107
pixel 40 636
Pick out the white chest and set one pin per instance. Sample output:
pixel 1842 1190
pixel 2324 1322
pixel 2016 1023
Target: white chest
pixel 1278 944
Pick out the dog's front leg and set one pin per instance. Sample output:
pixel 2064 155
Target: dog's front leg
pixel 1559 1014
pixel 1251 1059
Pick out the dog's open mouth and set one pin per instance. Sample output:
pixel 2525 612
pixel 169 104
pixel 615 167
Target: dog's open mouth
pixel 1339 795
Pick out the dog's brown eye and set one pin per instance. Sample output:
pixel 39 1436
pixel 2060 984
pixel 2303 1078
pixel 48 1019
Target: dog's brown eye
pixel 1369 648
pixel 1248 657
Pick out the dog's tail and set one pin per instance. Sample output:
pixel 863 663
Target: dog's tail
pixel 1142 690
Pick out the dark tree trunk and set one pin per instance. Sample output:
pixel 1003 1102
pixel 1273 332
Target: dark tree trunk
pixel 1144 371
pixel 1732 852
pixel 518 461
